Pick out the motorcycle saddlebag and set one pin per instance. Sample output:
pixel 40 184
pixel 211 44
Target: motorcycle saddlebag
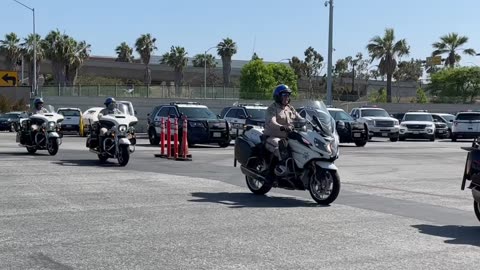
pixel 244 149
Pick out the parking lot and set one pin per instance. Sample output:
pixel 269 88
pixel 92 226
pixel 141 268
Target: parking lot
pixel 400 207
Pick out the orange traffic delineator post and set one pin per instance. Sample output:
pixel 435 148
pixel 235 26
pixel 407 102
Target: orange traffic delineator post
pixel 179 149
pixel 184 155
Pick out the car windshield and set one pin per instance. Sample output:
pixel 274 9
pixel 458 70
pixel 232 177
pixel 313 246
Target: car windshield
pixel 418 117
pixel 468 116
pixel 69 112
pixel 374 113
pixel 257 113
pixel 197 112
pixel 340 116
pixel 448 117
pixel 9 116
pixel 325 120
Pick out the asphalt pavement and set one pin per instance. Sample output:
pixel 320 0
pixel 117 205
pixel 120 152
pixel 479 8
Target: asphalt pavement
pixel 400 207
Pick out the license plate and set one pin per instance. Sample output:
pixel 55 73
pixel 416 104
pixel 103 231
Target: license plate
pixel 415 132
pixel 68 126
pixel 357 135
pixel 441 131
pixel 384 134
pixel 217 134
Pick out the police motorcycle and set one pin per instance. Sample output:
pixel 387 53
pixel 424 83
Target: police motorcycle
pixel 40 131
pixel 472 173
pixel 313 147
pixel 119 141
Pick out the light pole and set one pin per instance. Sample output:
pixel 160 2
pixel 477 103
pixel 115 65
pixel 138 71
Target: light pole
pixel 330 45
pixel 205 71
pixel 34 50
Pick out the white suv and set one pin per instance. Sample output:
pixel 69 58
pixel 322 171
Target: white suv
pixel 417 125
pixel 379 122
pixel 466 125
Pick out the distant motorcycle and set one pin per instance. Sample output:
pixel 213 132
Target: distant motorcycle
pixel 40 132
pixel 119 141
pixel 311 165
pixel 472 173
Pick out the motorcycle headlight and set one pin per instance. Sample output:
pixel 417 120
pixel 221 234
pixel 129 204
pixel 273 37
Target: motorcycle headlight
pixel 324 146
pixel 51 125
pixel 122 128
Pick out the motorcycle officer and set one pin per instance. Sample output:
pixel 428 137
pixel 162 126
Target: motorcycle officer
pixel 110 108
pixel 38 106
pixel 278 123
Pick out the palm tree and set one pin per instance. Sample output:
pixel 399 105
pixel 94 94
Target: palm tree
pixel 449 44
pixel 177 59
pixel 387 50
pixel 124 53
pixel 55 50
pixel 78 52
pixel 226 49
pixel 11 48
pixel 199 61
pixel 28 52
pixel 145 45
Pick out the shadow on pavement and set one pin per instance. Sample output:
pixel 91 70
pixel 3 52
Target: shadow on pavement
pixel 45 153
pixel 88 163
pixel 460 235
pixel 242 200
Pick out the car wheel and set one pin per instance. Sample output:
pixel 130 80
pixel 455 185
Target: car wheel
pixel 153 138
pixel 453 137
pixel 394 139
pixel 224 144
pixel 432 138
pixel 360 143
pixel 402 139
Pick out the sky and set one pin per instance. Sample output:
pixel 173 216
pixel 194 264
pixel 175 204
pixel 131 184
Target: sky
pixel 275 30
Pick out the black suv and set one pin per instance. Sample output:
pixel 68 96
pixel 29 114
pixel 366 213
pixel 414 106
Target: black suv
pixel 204 126
pixel 10 121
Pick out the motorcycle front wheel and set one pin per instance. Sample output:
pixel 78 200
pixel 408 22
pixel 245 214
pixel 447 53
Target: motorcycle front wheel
pixel 324 186
pixel 123 155
pixel 52 147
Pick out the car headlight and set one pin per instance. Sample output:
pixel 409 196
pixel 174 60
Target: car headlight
pixel 403 125
pixel 122 128
pixel 429 125
pixel 51 125
pixel 371 122
pixel 195 124
pixel 395 122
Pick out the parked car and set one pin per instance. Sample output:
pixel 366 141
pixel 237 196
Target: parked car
pixel 447 119
pixel 204 127
pixel 379 122
pixel 349 131
pixel 240 115
pixel 72 120
pixel 10 121
pixel 466 126
pixel 418 125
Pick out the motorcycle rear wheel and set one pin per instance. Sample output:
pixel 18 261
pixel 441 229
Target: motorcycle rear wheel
pixel 476 208
pixel 257 187
pixel 324 187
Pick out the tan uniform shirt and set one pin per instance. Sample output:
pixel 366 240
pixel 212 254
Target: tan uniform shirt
pixel 277 116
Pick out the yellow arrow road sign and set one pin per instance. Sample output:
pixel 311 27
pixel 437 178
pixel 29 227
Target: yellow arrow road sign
pixel 8 78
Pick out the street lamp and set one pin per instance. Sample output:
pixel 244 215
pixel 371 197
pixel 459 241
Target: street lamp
pixel 330 41
pixel 34 50
pixel 205 71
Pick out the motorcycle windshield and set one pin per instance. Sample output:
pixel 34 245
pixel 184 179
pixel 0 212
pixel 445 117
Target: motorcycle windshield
pixel 123 108
pixel 50 108
pixel 325 122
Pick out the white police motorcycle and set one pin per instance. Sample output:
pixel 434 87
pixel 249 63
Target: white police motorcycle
pixel 313 146
pixel 40 132
pixel 119 141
